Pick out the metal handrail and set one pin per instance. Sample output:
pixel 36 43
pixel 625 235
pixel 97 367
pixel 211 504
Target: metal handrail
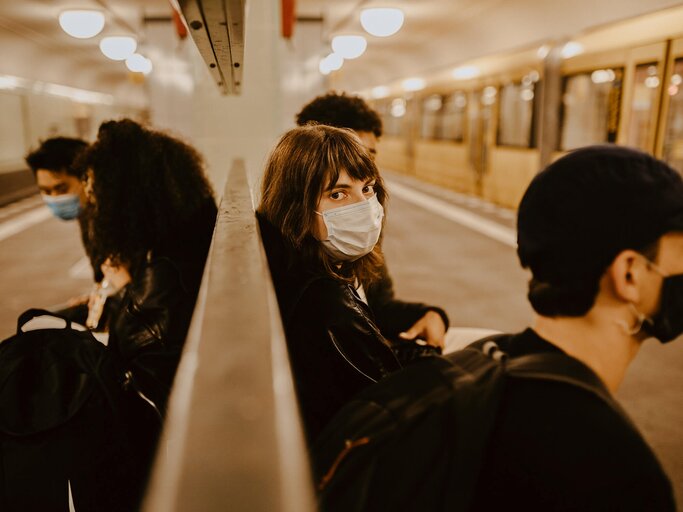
pixel 233 438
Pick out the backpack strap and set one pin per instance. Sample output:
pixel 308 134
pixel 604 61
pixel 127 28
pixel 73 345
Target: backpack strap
pixel 559 367
pixel 32 313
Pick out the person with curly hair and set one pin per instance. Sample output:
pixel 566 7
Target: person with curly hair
pixel 396 318
pixel 321 215
pixel 152 214
pixel 342 111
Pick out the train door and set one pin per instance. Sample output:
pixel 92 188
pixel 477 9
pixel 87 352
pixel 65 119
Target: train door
pixel 481 116
pixel 670 137
pixel 645 68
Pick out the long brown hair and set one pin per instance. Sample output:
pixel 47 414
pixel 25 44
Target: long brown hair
pixel 303 162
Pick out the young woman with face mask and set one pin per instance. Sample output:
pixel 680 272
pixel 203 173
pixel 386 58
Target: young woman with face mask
pixel 321 216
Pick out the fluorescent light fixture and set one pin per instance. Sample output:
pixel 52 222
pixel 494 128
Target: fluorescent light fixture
pixel 332 62
pixel 323 67
pixel 349 47
pixel 572 49
pixel 381 91
pixel 465 72
pixel 139 64
pixel 413 84
pixel 382 21
pixel 118 47
pixel 81 24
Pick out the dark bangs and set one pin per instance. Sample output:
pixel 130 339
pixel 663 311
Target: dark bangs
pixel 343 151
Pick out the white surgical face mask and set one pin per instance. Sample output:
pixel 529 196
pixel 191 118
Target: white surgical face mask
pixel 353 230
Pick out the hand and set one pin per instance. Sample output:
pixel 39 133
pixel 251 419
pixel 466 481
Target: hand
pixel 430 328
pixel 118 276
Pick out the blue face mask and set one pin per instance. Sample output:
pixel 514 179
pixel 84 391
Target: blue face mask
pixel 65 206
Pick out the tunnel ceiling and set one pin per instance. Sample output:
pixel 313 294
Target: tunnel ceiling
pixel 442 33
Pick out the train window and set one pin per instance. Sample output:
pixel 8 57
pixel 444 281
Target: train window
pixel 516 114
pixel 430 126
pixel 673 137
pixel 453 117
pixel 645 93
pixel 392 113
pixel 590 108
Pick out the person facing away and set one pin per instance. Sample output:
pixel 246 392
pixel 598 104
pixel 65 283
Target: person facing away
pixel 321 215
pixel 394 317
pixel 601 230
pixel 152 219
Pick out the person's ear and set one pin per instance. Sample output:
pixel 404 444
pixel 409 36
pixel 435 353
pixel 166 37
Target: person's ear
pixel 625 274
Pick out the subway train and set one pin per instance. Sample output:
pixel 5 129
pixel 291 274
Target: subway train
pixel 475 97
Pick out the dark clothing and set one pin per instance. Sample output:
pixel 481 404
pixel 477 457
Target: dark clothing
pixel 150 317
pixel 334 346
pixel 558 447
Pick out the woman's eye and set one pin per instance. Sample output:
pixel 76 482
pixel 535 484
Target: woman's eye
pixel 368 189
pixel 337 195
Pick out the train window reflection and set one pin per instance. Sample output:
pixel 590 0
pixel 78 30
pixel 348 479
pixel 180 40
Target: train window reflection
pixel 453 117
pixel 646 82
pixel 590 108
pixel 516 113
pixel 392 112
pixel 430 126
pixel 673 137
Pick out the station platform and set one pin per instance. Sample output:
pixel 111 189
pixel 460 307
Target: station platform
pixel 441 247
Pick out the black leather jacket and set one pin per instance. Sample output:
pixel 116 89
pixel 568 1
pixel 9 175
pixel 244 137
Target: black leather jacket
pixel 335 346
pixel 150 317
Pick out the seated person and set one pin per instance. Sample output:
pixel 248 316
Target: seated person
pixel 394 317
pixel 60 185
pixel 601 230
pixel 321 215
pixel 153 215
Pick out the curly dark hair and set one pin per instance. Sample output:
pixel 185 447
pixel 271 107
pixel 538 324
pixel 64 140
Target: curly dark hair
pixel 58 155
pixel 146 188
pixel 342 111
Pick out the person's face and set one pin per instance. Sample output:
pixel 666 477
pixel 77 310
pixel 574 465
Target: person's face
pixel 369 140
pixel 670 262
pixel 53 183
pixel 345 192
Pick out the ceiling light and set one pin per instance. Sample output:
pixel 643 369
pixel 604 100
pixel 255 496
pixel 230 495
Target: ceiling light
pixel 381 22
pixel 332 62
pixel 543 51
pixel 81 24
pixel 413 84
pixel 139 64
pixel 465 72
pixel 381 91
pixel 118 47
pixel 572 49
pixel 349 47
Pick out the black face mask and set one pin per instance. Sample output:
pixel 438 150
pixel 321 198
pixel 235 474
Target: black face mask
pixel 667 323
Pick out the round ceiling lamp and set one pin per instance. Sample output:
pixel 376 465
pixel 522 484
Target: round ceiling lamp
pixel 81 24
pixel 139 64
pixel 332 62
pixel 349 47
pixel 413 84
pixel 381 21
pixel 118 47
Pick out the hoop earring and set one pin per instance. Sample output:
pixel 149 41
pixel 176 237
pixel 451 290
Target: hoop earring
pixel 640 320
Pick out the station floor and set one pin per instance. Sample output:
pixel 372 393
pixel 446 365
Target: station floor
pixel 441 248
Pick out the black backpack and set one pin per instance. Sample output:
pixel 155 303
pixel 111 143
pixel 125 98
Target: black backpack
pixel 415 441
pixel 68 425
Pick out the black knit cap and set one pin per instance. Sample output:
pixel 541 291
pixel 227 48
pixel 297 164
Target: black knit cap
pixel 591 204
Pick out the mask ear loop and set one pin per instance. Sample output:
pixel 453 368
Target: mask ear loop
pixel 641 318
